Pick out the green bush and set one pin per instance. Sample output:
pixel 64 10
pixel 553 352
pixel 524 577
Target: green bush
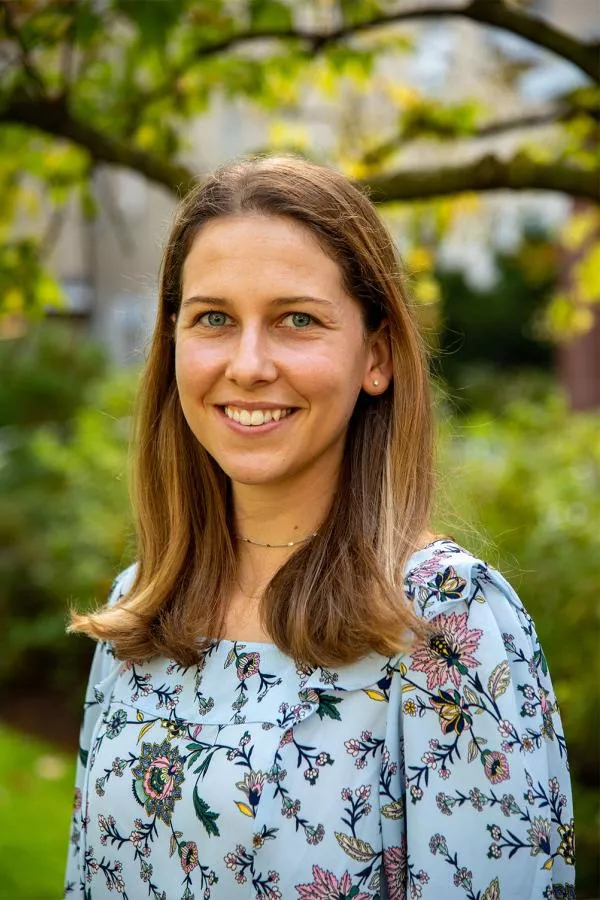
pixel 64 519
pixel 523 490
pixel 46 374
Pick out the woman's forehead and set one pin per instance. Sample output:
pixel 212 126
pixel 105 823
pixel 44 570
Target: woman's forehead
pixel 253 248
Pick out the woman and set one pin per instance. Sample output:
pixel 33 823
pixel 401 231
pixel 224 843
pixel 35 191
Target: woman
pixel 298 691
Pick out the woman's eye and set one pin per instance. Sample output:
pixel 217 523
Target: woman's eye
pixel 299 320
pixel 213 319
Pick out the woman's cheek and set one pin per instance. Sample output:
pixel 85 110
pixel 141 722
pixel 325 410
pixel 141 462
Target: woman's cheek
pixel 195 361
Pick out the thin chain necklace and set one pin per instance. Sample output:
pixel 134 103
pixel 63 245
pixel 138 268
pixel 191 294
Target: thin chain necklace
pixel 280 546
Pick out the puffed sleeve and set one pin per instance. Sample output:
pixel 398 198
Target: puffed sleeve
pixel 475 791
pixel 102 668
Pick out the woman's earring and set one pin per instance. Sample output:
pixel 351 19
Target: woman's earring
pixel 375 383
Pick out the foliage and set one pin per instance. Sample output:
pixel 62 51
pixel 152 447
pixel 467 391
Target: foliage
pixel 529 500
pixel 48 370
pixel 118 82
pixel 571 310
pixel 64 522
pixel 35 807
pixel 484 330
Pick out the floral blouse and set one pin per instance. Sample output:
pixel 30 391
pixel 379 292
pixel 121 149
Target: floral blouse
pixel 437 773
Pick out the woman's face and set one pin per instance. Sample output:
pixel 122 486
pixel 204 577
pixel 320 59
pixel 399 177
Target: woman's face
pixel 270 352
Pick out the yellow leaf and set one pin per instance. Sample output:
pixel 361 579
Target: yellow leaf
pixel 403 669
pixel 579 228
pixel 407 687
pixel 284 134
pixel 587 274
pixel 144 730
pixel 147 136
pixel 426 290
pixel 548 864
pixel 140 715
pixel 419 258
pixel 244 808
pixel 375 695
pixel 403 95
pixel 13 300
pixel 355 847
pixel 393 810
pixel 492 892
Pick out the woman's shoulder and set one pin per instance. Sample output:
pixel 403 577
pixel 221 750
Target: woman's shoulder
pixel 444 575
pixel 122 584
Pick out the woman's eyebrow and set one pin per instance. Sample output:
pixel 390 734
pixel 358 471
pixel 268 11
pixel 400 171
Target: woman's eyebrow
pixel 277 301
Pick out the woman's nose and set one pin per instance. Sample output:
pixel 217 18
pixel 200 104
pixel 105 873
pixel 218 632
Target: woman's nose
pixel 251 360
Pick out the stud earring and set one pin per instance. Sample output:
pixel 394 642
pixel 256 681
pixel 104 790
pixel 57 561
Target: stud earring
pixel 375 383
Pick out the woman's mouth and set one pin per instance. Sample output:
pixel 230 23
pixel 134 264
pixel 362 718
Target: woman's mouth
pixel 259 420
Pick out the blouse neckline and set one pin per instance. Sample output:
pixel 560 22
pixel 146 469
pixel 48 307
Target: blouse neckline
pixel 266 647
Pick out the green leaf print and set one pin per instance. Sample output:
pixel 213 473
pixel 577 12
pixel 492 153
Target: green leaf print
pixel 327 707
pixel 205 814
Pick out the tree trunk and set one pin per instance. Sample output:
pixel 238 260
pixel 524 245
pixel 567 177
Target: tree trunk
pixel 578 360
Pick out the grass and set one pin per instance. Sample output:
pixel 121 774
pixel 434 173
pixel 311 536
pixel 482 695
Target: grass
pixel 36 788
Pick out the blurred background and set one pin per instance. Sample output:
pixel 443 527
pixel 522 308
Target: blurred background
pixel 475 128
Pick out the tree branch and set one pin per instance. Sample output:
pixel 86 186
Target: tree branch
pixel 52 116
pixel 485 174
pixel 13 32
pixel 557 115
pixel 486 12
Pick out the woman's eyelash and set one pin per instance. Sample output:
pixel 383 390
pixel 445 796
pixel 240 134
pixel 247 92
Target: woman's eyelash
pixel 217 312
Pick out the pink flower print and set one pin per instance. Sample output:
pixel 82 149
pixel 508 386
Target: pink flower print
pixel 326 886
pixel 448 652
pixel 158 779
pixel 394 866
pixel 247 665
pixel 421 574
pixel 188 854
pixel 496 766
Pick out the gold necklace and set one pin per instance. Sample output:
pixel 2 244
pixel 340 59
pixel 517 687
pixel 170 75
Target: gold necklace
pixel 279 546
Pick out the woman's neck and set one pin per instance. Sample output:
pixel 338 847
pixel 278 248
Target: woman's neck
pixel 275 514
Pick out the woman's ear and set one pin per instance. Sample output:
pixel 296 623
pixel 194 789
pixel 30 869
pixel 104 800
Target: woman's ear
pixel 379 371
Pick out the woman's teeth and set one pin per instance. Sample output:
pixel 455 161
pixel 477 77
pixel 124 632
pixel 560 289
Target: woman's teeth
pixel 256 416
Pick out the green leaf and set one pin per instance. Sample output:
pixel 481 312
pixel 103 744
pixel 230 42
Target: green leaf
pixel 326 708
pixel 270 15
pixel 137 788
pixel 205 814
pixel 154 18
pixel 87 23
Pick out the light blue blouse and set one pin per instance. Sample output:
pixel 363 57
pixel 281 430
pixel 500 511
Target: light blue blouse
pixel 439 773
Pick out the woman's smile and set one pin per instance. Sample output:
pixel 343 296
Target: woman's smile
pixel 270 344
pixel 257 421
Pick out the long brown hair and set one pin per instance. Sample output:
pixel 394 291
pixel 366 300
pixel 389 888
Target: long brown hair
pixel 340 596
